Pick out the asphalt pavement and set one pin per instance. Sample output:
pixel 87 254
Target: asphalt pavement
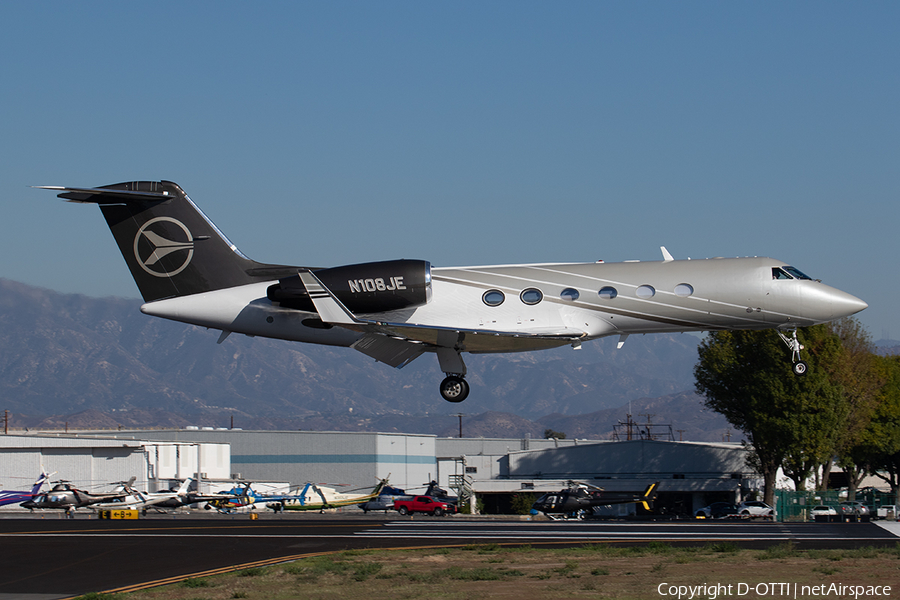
pixel 53 558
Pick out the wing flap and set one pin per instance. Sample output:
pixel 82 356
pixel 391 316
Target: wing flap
pixel 391 351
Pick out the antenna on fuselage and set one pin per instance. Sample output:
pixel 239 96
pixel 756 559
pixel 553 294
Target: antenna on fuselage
pixel 666 256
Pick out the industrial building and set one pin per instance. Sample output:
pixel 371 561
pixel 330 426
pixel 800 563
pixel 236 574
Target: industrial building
pixel 691 474
pixel 347 459
pixel 98 463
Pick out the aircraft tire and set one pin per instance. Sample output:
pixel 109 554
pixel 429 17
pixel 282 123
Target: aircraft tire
pixel 454 389
pixel 800 368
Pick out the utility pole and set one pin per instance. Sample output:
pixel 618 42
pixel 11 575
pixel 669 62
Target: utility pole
pixel 460 415
pixel 6 422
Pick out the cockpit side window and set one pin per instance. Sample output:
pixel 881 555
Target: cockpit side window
pixel 779 274
pixel 796 273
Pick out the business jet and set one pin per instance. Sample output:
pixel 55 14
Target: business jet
pixel 394 311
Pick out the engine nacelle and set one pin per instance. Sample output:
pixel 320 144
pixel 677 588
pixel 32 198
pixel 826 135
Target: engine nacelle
pixel 365 288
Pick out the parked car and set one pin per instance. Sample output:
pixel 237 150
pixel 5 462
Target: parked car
pixel 888 509
pixel 755 508
pixel 855 508
pixel 717 510
pixel 424 504
pixel 822 511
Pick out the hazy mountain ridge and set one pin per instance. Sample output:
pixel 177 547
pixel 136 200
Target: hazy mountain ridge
pixel 101 360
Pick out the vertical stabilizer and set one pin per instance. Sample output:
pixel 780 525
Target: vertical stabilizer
pixel 170 246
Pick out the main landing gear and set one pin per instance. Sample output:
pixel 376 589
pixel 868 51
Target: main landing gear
pixel 454 388
pixel 799 367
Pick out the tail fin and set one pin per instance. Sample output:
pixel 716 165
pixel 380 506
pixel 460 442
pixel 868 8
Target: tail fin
pixel 184 487
pixel 171 247
pixel 649 496
pixel 36 489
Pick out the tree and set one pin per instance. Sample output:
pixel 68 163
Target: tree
pixel 862 376
pixel 549 434
pixel 746 376
pixel 878 445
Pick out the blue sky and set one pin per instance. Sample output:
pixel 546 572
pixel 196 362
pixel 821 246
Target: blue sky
pixel 462 133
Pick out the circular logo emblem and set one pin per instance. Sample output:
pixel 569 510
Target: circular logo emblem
pixel 156 241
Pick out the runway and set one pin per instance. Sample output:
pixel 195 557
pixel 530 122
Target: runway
pixel 46 559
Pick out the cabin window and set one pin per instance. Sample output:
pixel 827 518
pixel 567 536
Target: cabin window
pixel 493 298
pixel 531 296
pixel 645 291
pixel 684 290
pixel 608 292
pixel 569 294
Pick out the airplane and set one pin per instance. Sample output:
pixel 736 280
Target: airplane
pixel 394 311
pixel 320 497
pixel 577 500
pixel 15 497
pixel 66 497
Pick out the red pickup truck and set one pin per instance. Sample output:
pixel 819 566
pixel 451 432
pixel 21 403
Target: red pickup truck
pixel 424 504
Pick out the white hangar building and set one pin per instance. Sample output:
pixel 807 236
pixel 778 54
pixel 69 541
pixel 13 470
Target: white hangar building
pixel 95 463
pixel 355 459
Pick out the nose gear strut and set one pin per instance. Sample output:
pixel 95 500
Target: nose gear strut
pixel 799 367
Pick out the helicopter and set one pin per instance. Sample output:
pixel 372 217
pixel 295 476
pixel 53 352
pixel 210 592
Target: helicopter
pixel 385 500
pixel 579 498
pixel 67 497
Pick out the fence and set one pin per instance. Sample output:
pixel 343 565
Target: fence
pixel 795 506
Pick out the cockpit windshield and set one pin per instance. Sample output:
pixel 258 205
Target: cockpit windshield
pixel 787 272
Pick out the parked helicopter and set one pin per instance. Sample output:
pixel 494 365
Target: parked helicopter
pixel 319 497
pixel 172 498
pixel 577 500
pixel 66 497
pixel 385 500
pixel 16 497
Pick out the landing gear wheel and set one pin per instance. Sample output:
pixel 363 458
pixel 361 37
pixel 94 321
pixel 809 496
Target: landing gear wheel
pixel 800 368
pixel 454 389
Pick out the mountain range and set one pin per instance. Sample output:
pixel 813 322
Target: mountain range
pixel 83 362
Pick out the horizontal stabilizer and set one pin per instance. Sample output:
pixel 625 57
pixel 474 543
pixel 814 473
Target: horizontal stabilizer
pixel 102 195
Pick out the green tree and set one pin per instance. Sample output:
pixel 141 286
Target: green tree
pixel 861 376
pixel 878 445
pixel 549 434
pixel 746 376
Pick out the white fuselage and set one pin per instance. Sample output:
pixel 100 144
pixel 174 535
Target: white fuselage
pixel 586 300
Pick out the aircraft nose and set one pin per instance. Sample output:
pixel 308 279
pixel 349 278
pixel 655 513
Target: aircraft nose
pixel 845 304
pixel 828 303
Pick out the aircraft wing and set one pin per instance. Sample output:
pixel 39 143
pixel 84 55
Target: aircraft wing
pixel 398 344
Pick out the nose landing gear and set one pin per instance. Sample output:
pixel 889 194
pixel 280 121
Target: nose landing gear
pixel 799 367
